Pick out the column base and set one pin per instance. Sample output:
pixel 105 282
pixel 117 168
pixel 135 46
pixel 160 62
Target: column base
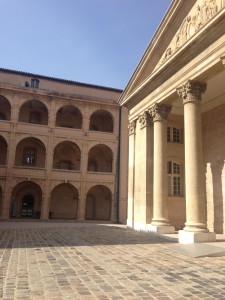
pixel 188 237
pixel 161 229
pixel 130 223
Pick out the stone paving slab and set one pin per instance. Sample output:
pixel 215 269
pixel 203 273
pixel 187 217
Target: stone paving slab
pixel 95 261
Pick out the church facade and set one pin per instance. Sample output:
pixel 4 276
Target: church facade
pixel 176 103
pixel 60 149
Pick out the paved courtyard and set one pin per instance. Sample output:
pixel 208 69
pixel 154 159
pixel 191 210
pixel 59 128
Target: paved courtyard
pixel 96 261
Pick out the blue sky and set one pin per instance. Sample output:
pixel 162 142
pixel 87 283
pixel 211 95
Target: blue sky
pixel 91 41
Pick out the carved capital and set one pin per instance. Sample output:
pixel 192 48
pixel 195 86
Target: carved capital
pixel 222 58
pixel 192 91
pixel 132 127
pixel 144 119
pixel 160 112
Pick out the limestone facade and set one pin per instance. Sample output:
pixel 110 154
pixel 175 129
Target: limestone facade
pixel 60 148
pixel 176 103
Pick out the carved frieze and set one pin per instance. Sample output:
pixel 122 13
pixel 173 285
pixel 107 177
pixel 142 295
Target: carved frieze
pixel 201 13
pixel 132 127
pixel 192 91
pixel 160 112
pixel 144 119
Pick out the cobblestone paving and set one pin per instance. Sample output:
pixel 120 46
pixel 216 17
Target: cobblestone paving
pixel 90 261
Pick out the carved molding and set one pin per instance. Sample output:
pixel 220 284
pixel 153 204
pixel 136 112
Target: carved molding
pixel 144 119
pixel 192 91
pixel 201 13
pixel 160 112
pixel 132 127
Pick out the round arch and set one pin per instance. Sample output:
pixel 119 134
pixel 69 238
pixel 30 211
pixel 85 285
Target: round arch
pixel 101 120
pixel 26 200
pixel 69 116
pixel 5 109
pixel 100 158
pixel 30 152
pixel 64 202
pixel 98 203
pixel 3 151
pixel 33 111
pixel 67 156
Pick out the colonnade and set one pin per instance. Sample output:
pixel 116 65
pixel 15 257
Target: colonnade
pixel 195 229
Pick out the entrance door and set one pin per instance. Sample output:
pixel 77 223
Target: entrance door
pixel 27 206
pixel 90 208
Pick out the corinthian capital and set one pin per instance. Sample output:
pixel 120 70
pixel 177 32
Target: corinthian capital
pixel 192 91
pixel 144 119
pixel 132 127
pixel 160 112
pixel 222 58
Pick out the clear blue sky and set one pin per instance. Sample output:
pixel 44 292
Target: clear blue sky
pixel 90 41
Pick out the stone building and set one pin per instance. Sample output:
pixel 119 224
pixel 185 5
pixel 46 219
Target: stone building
pixel 60 149
pixel 176 103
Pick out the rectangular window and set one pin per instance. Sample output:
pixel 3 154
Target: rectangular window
pixel 169 186
pixel 168 134
pixel 176 186
pixel 35 117
pixel 176 135
pixel 35 83
pixel 29 156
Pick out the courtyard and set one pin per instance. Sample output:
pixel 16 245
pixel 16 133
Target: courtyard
pixel 67 260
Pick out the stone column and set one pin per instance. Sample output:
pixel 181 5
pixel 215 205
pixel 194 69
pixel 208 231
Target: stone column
pixel 143 189
pixel 195 227
pixel 160 222
pixel 131 163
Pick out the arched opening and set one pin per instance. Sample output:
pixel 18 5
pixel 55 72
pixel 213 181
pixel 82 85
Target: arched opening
pixel 98 203
pixel 100 159
pixel 3 151
pixel 69 116
pixel 101 120
pixel 5 109
pixel 64 202
pixel 30 152
pixel 67 156
pixel 35 112
pixel 26 200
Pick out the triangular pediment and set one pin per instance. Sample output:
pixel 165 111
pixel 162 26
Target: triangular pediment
pixel 182 21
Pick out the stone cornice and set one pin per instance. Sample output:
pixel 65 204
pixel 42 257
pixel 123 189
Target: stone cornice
pixel 192 91
pixel 160 112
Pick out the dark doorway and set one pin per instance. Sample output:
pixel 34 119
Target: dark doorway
pixel 27 206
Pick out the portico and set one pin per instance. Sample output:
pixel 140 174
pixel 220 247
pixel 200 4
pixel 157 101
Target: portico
pixel 179 87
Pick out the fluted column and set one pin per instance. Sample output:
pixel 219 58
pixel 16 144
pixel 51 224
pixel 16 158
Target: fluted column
pixel 191 93
pixel 131 163
pixel 160 222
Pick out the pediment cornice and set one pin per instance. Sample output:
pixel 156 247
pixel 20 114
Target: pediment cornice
pixel 188 31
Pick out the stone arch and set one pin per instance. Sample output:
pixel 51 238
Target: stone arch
pixel 33 111
pixel 67 156
pixel 101 120
pixel 64 202
pixel 69 116
pixel 5 109
pixel 98 203
pixel 30 152
pixel 26 200
pixel 3 151
pixel 100 158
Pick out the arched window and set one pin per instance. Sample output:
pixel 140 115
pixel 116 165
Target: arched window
pixel 174 135
pixel 174 179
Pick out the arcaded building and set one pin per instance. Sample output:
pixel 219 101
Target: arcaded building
pixel 176 103
pixel 60 144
